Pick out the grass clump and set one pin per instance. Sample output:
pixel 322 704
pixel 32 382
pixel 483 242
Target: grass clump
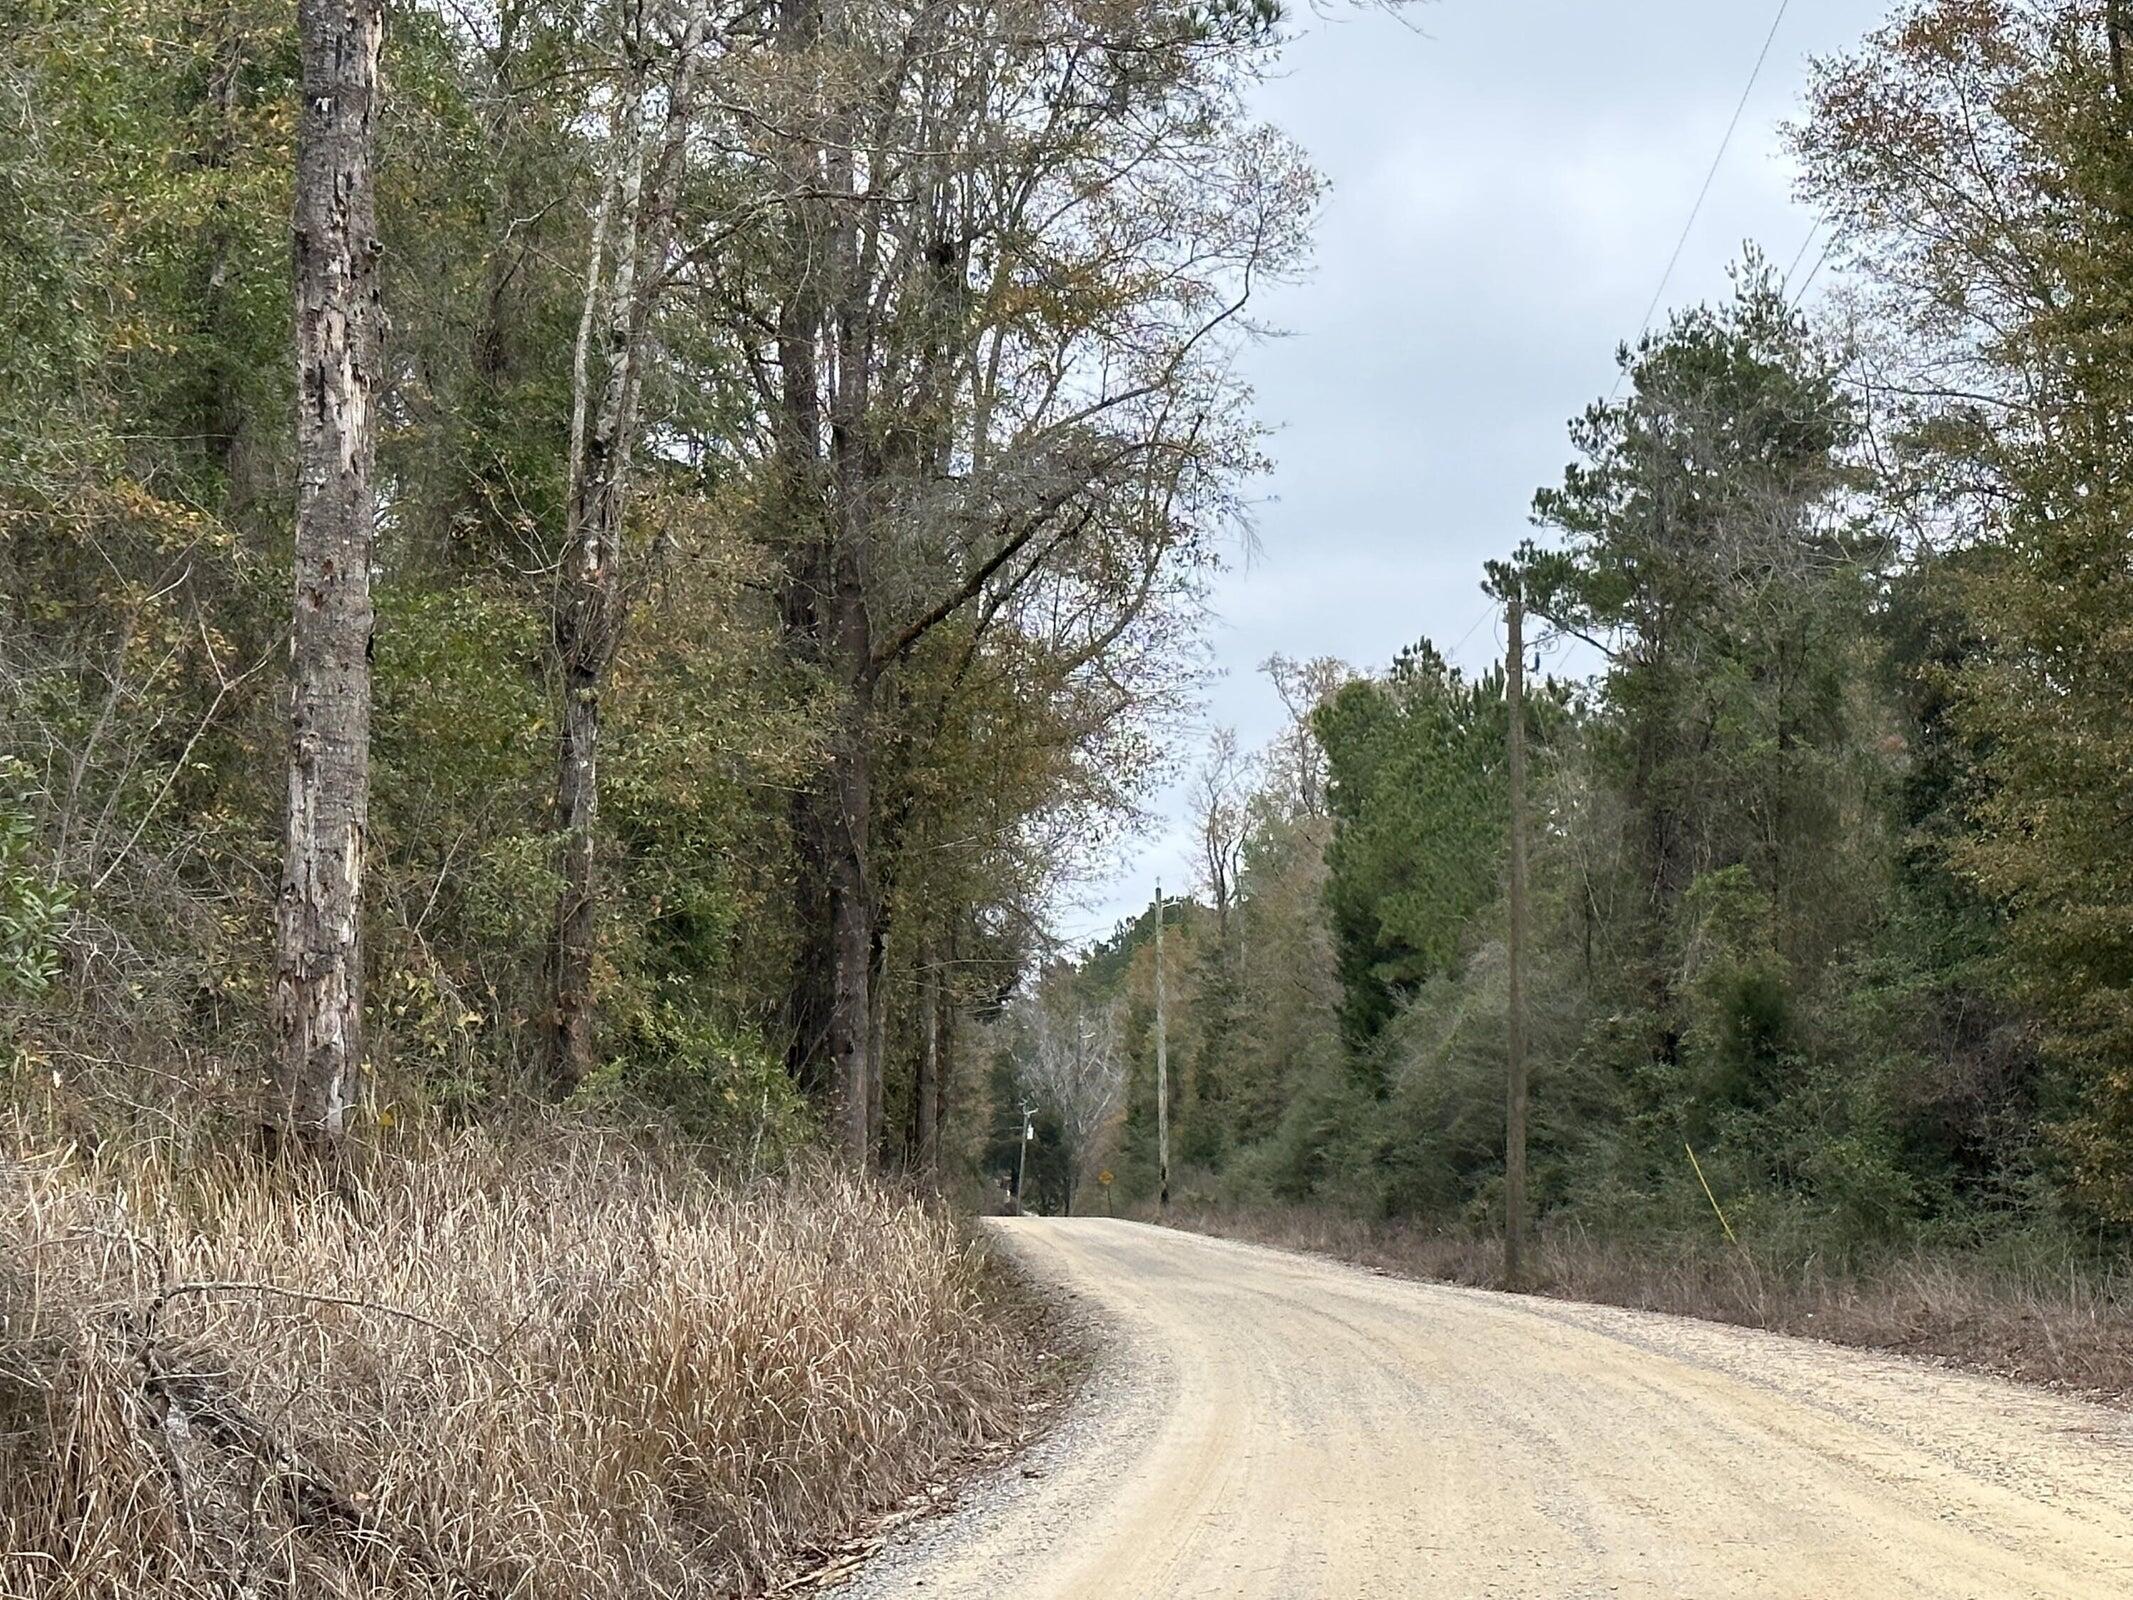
pixel 555 1365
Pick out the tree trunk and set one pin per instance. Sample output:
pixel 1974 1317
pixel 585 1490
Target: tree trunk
pixel 944 1071
pixel 925 1109
pixel 851 889
pixel 223 414
pixel 587 618
pixel 591 604
pixel 807 994
pixel 851 938
pixel 576 930
pixel 805 583
pixel 318 972
pixel 878 1040
pixel 480 527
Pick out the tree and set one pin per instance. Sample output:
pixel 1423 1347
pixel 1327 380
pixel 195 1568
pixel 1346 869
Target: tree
pixel 318 979
pixel 1296 760
pixel 591 606
pixel 1070 1065
pixel 1416 788
pixel 1977 163
pixel 1221 794
pixel 999 414
pixel 1710 553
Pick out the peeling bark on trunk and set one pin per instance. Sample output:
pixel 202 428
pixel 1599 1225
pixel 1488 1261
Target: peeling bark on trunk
pixel 318 973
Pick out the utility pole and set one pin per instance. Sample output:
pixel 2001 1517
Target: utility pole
pixel 1514 1155
pixel 1162 1062
pixel 1022 1158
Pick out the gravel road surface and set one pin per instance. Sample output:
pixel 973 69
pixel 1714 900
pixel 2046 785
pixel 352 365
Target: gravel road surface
pixel 1263 1424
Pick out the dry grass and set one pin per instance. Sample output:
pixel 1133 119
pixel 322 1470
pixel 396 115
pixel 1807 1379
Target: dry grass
pixel 2049 1321
pixel 562 1367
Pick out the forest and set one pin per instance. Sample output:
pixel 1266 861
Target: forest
pixel 1830 939
pixel 794 459
pixel 512 816
pixel 568 780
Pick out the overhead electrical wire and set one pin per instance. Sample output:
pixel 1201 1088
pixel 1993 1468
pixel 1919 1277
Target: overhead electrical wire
pixel 1799 255
pixel 1814 271
pixel 1709 177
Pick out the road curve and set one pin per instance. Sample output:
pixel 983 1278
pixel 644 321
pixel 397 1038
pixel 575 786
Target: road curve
pixel 1274 1426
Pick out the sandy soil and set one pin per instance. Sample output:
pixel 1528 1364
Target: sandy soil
pixel 1273 1425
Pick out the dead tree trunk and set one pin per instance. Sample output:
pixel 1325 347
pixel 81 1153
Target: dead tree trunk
pixel 318 969
pixel 591 605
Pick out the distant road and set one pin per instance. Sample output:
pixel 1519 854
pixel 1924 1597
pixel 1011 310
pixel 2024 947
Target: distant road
pixel 1269 1425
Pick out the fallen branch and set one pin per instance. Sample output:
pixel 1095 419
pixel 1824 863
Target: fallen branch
pixel 193 1399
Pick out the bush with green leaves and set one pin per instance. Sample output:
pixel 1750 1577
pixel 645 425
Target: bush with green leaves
pixel 33 907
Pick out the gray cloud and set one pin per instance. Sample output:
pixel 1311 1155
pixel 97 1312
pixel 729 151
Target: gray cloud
pixel 1507 182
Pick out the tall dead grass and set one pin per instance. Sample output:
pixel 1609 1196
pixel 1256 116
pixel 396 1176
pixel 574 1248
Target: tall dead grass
pixel 556 1367
pixel 2041 1317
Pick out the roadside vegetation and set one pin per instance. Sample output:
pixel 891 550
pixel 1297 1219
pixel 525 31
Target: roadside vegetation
pixel 555 1363
pixel 1827 967
pixel 2019 1310
pixel 526 830
pixel 565 565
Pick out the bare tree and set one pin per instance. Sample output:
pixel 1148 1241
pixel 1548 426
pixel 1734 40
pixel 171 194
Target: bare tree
pixel 1221 795
pixel 1071 1067
pixel 1296 759
pixel 994 388
pixel 318 972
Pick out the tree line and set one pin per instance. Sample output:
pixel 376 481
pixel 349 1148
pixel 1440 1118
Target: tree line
pixel 1830 920
pixel 736 516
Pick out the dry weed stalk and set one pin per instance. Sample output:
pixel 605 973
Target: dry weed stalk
pixel 513 1366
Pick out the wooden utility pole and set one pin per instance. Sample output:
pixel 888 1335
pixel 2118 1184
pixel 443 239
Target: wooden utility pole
pixel 1022 1162
pixel 1514 1155
pixel 318 959
pixel 1162 1062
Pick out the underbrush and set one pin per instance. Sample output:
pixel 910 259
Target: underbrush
pixel 2028 1312
pixel 543 1365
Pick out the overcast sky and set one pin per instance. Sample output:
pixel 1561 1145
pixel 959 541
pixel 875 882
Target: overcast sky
pixel 1508 179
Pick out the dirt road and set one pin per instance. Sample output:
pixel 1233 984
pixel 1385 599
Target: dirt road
pixel 1269 1425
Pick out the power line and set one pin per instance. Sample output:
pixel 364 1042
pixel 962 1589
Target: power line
pixel 1487 612
pixel 1800 254
pixel 1702 194
pixel 1807 282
